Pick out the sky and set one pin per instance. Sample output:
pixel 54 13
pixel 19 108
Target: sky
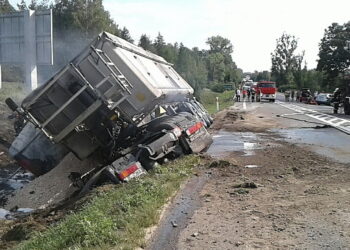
pixel 252 26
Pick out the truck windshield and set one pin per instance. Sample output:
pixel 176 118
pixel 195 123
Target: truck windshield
pixel 267 85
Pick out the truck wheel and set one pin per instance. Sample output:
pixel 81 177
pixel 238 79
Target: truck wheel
pixel 145 161
pixel 160 124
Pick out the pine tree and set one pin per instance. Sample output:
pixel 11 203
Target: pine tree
pixel 22 5
pixel 159 44
pixel 125 34
pixel 146 43
pixel 33 4
pixel 6 7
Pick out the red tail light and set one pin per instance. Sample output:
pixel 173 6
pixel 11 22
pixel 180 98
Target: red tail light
pixel 194 128
pixel 130 170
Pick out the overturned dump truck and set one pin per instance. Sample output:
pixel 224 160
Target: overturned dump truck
pixel 116 102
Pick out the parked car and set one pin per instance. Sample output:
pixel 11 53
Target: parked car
pixel 324 98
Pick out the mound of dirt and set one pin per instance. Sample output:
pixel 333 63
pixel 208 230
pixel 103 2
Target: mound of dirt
pixel 233 119
pixel 53 187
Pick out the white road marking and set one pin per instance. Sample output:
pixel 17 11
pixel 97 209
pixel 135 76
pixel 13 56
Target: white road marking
pixel 244 105
pixel 336 122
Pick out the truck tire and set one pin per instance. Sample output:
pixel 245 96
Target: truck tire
pixel 158 124
pixel 166 122
pixel 145 161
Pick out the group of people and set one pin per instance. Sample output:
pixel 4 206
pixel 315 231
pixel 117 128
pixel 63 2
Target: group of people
pixel 249 93
pixel 289 95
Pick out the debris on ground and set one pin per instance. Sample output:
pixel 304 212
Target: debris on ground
pixel 246 185
pixel 219 164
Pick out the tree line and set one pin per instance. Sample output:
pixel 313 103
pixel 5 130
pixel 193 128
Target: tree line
pixel 76 22
pixel 290 70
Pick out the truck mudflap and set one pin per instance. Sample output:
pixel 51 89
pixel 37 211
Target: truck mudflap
pixel 198 138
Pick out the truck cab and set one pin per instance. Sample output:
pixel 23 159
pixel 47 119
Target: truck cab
pixel 266 90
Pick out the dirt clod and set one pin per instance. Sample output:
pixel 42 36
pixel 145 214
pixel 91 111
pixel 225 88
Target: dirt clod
pixel 195 234
pixel 246 185
pixel 219 164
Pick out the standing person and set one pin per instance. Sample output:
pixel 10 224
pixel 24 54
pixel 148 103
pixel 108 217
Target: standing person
pixel 286 95
pixel 238 95
pixel 293 95
pixel 298 96
pixel 248 94
pixel 253 94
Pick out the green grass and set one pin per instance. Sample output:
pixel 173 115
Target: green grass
pixel 12 89
pixel 117 218
pixel 208 99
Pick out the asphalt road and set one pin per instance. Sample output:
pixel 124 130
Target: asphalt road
pixel 298 121
pixel 319 113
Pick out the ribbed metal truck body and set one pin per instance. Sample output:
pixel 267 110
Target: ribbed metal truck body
pixel 110 79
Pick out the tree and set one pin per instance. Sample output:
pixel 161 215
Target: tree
pixel 221 67
pixel 6 7
pixel 76 22
pixel 159 44
pixel 169 53
pixel 216 67
pixel 22 5
pixel 125 34
pixel 90 17
pixel 85 16
pixel 260 76
pixel 146 43
pixel 298 71
pixel 333 58
pixel 35 5
pixel 285 64
pixel 218 44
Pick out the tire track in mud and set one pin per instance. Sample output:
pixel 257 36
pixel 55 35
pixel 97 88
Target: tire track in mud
pixel 178 215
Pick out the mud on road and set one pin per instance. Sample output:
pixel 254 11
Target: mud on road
pixel 269 194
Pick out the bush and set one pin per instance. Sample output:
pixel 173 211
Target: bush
pixel 218 87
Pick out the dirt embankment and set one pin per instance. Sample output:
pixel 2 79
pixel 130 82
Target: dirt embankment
pixel 281 197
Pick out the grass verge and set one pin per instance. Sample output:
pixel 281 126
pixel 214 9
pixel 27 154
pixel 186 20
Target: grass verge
pixel 117 217
pixel 208 99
